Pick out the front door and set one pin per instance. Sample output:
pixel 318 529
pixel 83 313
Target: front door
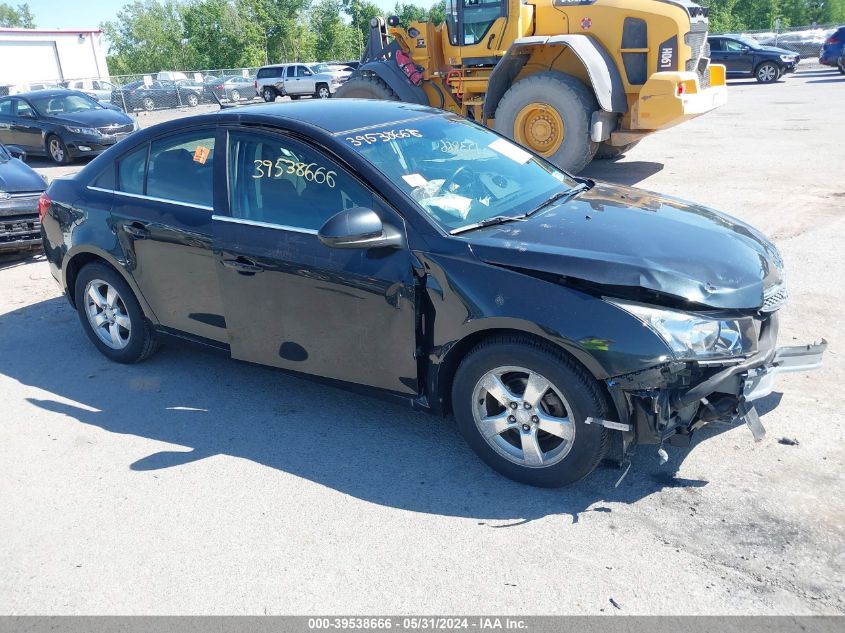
pixel 738 58
pixel 162 213
pixel 292 302
pixel 306 83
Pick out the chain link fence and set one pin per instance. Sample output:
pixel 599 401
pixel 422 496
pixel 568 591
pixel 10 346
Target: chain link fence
pixel 157 91
pixel 804 40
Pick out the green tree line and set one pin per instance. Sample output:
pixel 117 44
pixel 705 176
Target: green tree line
pixel 16 17
pixel 150 35
pixel 738 15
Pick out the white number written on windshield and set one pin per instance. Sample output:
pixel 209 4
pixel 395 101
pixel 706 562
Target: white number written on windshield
pixel 382 137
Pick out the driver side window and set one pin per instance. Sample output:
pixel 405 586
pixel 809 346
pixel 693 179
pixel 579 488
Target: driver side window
pixel 24 109
pixel 280 181
pixel 733 46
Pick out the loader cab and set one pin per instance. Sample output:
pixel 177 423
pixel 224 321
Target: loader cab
pixel 478 32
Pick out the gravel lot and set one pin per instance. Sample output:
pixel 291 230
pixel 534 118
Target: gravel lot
pixel 194 484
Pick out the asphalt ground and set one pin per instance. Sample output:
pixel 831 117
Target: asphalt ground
pixel 192 484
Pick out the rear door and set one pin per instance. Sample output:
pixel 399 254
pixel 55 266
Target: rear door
pixel 162 213
pixel 6 120
pixel 26 130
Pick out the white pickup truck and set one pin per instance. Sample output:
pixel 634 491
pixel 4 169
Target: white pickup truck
pixel 295 81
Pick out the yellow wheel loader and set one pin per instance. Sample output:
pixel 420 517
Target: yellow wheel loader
pixel 569 79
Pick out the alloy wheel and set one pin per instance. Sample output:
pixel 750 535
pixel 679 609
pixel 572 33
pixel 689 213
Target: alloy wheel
pixel 57 151
pixel 193 100
pixel 235 95
pixel 767 73
pixel 148 104
pixel 107 314
pixel 523 417
pixel 323 93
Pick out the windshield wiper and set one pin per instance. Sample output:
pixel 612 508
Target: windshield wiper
pixel 563 195
pixel 496 219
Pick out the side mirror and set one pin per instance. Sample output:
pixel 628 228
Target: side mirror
pixel 16 152
pixel 745 50
pixel 358 228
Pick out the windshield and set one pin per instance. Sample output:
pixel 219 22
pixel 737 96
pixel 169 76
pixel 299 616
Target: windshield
pixel 747 41
pixel 64 104
pixel 458 172
pixel 320 68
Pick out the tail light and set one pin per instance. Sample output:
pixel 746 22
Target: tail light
pixel 255 84
pixel 220 87
pixel 681 89
pixel 44 203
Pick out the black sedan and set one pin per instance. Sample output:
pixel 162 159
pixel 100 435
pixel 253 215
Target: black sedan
pixel 743 57
pixel 394 247
pixel 156 95
pixel 62 124
pixel 20 188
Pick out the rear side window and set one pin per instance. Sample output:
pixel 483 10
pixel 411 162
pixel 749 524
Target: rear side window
pixel 266 73
pixel 6 107
pixel 181 168
pixel 131 170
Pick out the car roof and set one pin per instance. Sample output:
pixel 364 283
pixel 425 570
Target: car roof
pixel 47 92
pixel 331 115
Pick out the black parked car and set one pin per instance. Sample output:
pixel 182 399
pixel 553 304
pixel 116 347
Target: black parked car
pixel 20 188
pixel 157 95
pixel 62 124
pixel 413 252
pixel 743 57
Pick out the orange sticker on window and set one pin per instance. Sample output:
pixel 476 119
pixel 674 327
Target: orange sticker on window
pixel 201 154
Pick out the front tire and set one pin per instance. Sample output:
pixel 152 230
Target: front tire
pixel 767 72
pixel 111 315
pixel 549 113
pixel 323 92
pixel 521 405
pixel 57 150
pixel 366 88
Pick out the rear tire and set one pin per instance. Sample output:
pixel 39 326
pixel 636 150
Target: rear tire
pixel 517 445
pixel 148 104
pixel 606 151
pixel 366 88
pixel 840 63
pixel 574 105
pixel 234 96
pixel 129 345
pixel 268 94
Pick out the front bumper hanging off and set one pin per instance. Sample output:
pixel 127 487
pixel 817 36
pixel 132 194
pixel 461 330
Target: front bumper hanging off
pixel 670 402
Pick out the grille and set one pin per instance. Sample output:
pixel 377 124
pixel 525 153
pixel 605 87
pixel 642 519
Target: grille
pixel 774 297
pixel 116 129
pixel 699 60
pixel 20 228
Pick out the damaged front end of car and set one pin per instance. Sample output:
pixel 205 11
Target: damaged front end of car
pixel 721 363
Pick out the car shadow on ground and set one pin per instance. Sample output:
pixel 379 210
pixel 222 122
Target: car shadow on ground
pixel 206 405
pixel 833 80
pixel 621 172
pixel 20 258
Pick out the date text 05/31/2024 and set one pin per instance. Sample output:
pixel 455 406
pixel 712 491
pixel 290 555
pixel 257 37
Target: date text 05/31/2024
pixel 417 623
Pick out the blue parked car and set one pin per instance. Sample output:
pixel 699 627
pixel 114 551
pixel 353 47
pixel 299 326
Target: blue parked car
pixel 833 49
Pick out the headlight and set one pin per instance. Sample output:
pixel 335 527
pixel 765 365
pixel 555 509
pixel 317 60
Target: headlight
pixel 696 336
pixel 787 58
pixel 88 131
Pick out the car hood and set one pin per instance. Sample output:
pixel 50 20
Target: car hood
pixel 92 118
pixel 16 176
pixel 620 236
pixel 775 49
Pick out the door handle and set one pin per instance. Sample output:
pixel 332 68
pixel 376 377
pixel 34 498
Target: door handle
pixel 136 230
pixel 243 265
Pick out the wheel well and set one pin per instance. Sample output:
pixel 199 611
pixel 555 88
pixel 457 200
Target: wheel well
pixel 463 347
pixel 74 266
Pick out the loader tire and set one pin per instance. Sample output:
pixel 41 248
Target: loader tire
pixel 606 151
pixel 549 113
pixel 366 88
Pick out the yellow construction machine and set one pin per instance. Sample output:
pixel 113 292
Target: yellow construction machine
pixel 569 79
